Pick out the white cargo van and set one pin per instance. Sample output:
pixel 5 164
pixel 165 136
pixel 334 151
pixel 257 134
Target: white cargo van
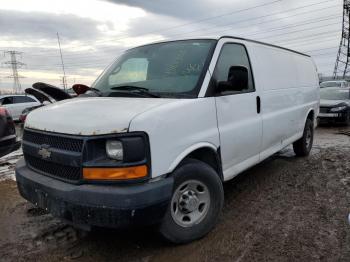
pixel 162 128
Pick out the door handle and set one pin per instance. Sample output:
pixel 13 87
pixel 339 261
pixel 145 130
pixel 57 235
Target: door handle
pixel 258 104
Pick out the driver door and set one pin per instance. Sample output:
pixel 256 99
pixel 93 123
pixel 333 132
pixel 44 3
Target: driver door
pixel 238 112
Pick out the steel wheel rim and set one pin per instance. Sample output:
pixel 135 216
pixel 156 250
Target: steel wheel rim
pixel 190 203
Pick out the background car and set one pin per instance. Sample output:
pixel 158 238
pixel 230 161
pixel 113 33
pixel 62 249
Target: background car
pixel 339 83
pixel 8 140
pixel 44 99
pixel 15 104
pixel 25 112
pixel 45 94
pixel 335 105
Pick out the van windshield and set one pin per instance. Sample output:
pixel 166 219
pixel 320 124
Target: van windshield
pixel 170 69
pixel 331 84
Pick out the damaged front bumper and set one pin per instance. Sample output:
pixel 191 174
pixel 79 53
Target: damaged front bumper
pixel 340 117
pixel 102 205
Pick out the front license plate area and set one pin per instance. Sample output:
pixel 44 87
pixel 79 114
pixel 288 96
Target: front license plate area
pixel 42 199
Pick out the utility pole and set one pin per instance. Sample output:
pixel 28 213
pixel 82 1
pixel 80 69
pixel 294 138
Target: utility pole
pixel 64 79
pixel 64 82
pixel 14 65
pixel 341 69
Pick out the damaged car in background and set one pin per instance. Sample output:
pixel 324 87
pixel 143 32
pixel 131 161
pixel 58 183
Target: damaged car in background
pixel 335 105
pixel 46 94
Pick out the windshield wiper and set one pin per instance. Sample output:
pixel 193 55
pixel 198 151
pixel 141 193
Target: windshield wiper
pixel 141 90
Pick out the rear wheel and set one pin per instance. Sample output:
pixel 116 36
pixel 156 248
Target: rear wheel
pixel 303 146
pixel 195 204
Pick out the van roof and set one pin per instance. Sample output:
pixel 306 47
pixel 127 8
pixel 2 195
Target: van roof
pixel 233 37
pixel 263 43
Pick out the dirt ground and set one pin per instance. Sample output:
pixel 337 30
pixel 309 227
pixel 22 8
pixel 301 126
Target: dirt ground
pixel 284 209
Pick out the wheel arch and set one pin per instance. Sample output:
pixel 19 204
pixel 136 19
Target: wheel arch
pixel 205 152
pixel 310 115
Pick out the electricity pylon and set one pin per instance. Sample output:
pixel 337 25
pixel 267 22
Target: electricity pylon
pixel 14 64
pixel 341 68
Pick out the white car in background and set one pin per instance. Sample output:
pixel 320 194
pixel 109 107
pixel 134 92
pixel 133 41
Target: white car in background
pixel 15 104
pixel 339 83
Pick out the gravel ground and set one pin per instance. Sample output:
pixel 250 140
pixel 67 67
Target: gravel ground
pixel 284 209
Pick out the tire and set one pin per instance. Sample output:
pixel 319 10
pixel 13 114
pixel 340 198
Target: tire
pixel 303 146
pixel 204 182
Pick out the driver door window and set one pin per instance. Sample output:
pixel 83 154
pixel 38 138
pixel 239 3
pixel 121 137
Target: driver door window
pixel 233 55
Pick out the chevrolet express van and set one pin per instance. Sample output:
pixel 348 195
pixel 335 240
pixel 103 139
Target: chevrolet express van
pixel 157 134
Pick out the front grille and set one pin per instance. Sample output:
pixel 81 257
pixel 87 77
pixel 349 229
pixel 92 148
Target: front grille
pixel 63 164
pixel 59 142
pixel 324 110
pixel 53 169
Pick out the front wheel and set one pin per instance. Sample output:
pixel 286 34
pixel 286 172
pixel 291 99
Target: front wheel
pixel 303 146
pixel 195 205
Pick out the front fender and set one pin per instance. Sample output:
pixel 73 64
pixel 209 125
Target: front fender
pixel 176 129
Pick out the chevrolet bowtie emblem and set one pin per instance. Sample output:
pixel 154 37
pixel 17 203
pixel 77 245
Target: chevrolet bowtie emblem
pixel 44 153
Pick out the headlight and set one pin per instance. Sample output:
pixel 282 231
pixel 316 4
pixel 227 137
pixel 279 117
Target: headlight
pixel 121 157
pixel 114 149
pixel 337 109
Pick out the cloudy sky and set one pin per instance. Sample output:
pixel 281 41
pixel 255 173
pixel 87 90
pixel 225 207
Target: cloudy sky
pixel 94 32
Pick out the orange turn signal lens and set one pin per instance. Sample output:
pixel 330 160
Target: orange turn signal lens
pixel 119 173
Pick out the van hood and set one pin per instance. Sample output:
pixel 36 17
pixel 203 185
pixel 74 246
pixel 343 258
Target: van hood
pixel 333 103
pixel 91 116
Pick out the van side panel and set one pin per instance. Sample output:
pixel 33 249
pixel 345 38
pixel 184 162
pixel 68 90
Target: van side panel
pixel 308 76
pixel 289 89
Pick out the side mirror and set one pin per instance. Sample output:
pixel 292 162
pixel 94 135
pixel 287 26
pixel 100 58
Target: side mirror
pixel 80 89
pixel 237 80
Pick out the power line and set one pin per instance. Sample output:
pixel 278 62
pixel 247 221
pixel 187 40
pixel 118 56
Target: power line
pixel 105 60
pixel 312 40
pixel 275 29
pixel 198 21
pixel 298 31
pixel 219 16
pixel 307 22
pixel 259 17
pixel 210 18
